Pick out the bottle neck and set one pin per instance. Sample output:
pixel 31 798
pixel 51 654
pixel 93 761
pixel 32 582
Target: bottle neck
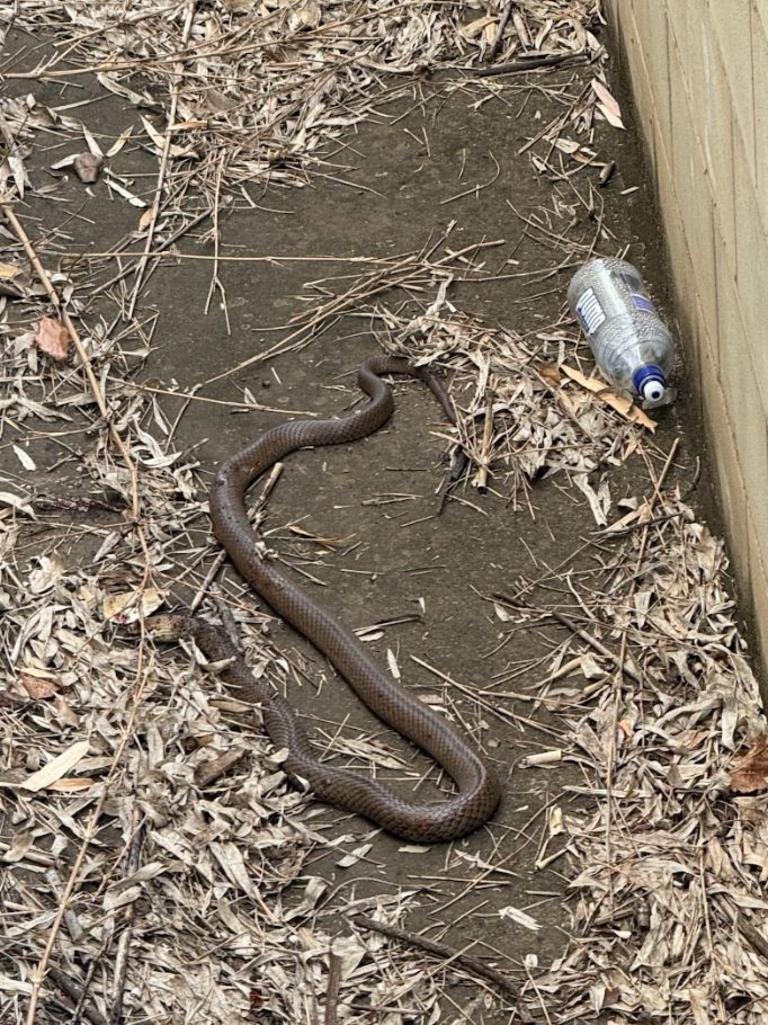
pixel 650 383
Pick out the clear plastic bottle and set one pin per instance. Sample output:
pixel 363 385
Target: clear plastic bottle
pixel 629 341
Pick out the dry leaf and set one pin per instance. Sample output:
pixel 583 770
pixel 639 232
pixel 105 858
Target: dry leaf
pixel 116 146
pixel 308 16
pixel 124 607
pixel 550 373
pixel 232 864
pixel 607 103
pixel 599 501
pixel 24 458
pixel 146 219
pixel 67 161
pixel 64 712
pixel 750 772
pixel 122 191
pixel 156 137
pixel 38 687
pixel 87 167
pixel 47 574
pixel 394 668
pixel 555 823
pixel 521 28
pixel 354 856
pixel 159 140
pixel 13 986
pixel 699 1002
pixel 622 405
pixel 56 768
pixel 13 166
pixel 519 918
pixel 474 28
pixel 209 771
pixel 10 280
pixel 634 517
pixel 71 784
pixel 53 339
pixel 7 498
pixel 21 843
pixel 93 147
pixel 118 87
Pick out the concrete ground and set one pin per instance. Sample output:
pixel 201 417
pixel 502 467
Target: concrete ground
pixel 403 556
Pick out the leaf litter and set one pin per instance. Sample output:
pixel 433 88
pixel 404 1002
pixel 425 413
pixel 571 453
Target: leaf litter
pixel 198 898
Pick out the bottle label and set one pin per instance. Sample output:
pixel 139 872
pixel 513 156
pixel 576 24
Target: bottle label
pixel 643 303
pixel 589 311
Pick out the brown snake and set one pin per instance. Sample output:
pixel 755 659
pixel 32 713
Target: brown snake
pixel 478 789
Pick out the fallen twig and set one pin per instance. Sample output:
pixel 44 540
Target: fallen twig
pixel 335 962
pixel 532 63
pixel 471 964
pixel 481 477
pixel 159 250
pixel 75 991
pixel 495 46
pixel 85 362
pixel 167 140
pixel 124 942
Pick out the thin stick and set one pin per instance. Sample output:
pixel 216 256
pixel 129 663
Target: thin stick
pixel 218 562
pixel 592 641
pixel 547 60
pixel 42 967
pixel 155 208
pixel 215 279
pixel 503 20
pixel 75 991
pixel 477 188
pixel 335 962
pixel 481 478
pixel 88 979
pixel 471 964
pixel 157 252
pixel 247 407
pixel 275 258
pixel 56 301
pixel 489 706
pixel 124 943
pixel 374 284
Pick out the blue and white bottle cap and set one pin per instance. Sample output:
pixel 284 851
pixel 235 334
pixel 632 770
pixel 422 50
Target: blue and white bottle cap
pixel 650 383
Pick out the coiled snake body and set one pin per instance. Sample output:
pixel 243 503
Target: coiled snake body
pixel 478 790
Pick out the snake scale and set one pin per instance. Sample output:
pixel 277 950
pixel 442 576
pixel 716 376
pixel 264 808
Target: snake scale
pixel 477 788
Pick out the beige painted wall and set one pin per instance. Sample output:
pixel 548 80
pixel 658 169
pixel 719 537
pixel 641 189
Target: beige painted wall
pixel 699 73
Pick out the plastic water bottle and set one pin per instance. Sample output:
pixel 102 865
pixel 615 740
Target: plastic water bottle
pixel 630 343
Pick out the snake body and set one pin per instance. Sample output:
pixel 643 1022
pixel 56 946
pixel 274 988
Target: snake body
pixel 477 788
